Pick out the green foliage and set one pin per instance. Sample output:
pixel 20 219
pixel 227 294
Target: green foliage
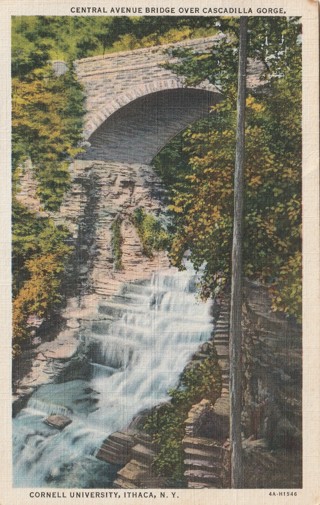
pixel 166 423
pixel 39 38
pixel 287 292
pixel 40 255
pixel 40 294
pixel 32 237
pixel 47 110
pixel 176 34
pixel 152 235
pixel 62 37
pixel 273 41
pixel 47 113
pixel 201 190
pixel 116 242
pixel 47 127
pixel 171 163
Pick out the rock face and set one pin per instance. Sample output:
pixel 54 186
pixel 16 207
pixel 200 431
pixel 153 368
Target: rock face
pixel 117 448
pixel 27 194
pixel 47 360
pixel 138 472
pixel 134 451
pixel 272 373
pixel 272 406
pixel 100 192
pixel 103 192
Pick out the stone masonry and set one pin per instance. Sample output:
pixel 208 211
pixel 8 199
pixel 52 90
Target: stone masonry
pixel 113 80
pixel 135 105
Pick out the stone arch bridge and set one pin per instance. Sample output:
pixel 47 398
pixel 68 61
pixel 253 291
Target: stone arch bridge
pixel 135 105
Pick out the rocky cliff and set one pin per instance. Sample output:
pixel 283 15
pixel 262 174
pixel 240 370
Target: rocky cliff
pixel 100 193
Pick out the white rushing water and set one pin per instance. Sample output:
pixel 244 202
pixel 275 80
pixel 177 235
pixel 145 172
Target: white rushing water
pixel 150 331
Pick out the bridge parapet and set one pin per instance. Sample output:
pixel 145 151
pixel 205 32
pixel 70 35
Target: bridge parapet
pixel 113 80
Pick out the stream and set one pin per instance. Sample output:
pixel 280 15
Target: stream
pixel 146 335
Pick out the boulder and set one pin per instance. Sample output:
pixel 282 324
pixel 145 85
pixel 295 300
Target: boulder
pixel 58 421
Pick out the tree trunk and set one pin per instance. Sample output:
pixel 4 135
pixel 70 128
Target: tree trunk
pixel 236 279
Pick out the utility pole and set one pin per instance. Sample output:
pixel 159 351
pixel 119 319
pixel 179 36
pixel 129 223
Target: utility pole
pixel 236 276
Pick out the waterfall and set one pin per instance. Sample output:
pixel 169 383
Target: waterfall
pixel 139 344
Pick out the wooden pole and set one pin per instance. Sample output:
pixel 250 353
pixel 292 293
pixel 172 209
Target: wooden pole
pixel 236 277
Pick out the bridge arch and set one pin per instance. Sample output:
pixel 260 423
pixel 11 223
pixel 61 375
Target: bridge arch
pixel 133 97
pixel 101 115
pixel 133 127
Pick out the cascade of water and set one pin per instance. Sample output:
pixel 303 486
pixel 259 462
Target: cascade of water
pixel 152 330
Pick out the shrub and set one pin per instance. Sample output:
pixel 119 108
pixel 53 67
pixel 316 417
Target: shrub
pixel 166 423
pixel 116 242
pixel 152 234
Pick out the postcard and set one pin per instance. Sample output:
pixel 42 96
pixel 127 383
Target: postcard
pixel 160 252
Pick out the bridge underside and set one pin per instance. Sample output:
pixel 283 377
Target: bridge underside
pixel 138 131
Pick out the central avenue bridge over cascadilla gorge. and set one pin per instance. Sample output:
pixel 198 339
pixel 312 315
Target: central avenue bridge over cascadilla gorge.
pixel 134 106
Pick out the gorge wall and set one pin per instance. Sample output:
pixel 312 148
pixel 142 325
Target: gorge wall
pixel 100 193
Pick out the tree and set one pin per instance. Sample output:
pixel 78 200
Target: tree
pixel 40 255
pixel 46 128
pixel 237 273
pixel 40 295
pixel 202 192
pixel 47 113
pixel 202 160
